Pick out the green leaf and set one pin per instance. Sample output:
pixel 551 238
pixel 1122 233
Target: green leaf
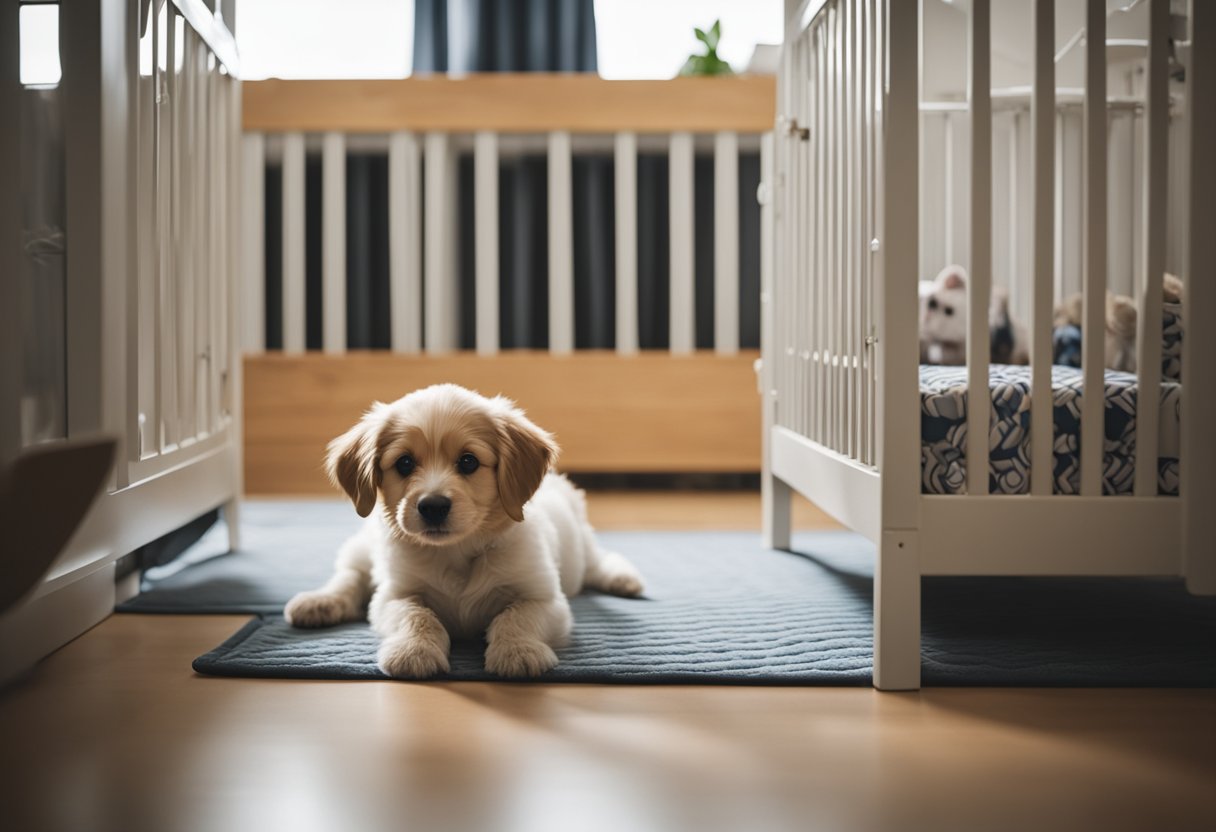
pixel 701 36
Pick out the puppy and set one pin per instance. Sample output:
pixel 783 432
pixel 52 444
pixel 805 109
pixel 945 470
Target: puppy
pixel 468 533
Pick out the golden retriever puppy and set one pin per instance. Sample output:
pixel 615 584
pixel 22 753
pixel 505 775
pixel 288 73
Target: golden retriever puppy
pixel 468 533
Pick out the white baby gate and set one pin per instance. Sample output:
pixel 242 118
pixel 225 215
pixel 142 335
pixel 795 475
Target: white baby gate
pixel 146 243
pixel 840 340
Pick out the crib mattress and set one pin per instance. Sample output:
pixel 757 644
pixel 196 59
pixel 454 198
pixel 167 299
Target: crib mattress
pixel 943 403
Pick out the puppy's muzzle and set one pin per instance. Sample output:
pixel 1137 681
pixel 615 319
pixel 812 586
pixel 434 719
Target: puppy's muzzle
pixel 434 509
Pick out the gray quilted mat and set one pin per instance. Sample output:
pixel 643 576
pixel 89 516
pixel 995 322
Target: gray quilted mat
pixel 720 609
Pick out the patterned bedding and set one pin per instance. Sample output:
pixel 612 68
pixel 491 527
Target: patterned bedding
pixel 943 402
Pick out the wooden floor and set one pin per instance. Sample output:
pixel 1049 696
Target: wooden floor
pixel 114 732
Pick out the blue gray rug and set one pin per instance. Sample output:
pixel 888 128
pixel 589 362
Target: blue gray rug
pixel 720 609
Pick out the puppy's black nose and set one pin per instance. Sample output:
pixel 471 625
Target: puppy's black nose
pixel 434 509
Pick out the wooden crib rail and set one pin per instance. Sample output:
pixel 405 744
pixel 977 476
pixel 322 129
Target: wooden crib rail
pixel 512 103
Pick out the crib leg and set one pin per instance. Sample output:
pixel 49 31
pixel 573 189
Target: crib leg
pixel 897 613
pixel 775 499
pixel 232 518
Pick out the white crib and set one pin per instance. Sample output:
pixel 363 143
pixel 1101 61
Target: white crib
pixel 840 342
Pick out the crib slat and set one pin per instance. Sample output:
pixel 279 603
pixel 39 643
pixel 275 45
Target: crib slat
pixel 625 152
pixel 404 243
pixel 561 246
pixel 857 238
pixel 293 242
pixel 1043 106
pixel 846 221
pixel 187 347
pixel 333 242
pixel 253 242
pixel 485 203
pixel 866 226
pixel 1156 169
pixel 1198 468
pixel 726 243
pixel 440 268
pixel 680 201
pixel 1093 354
pixel 979 290
pixel 817 262
pixel 834 200
pixel 166 343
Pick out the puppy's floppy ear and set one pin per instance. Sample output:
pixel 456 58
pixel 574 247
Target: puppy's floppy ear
pixel 353 462
pixel 525 455
pixel 952 277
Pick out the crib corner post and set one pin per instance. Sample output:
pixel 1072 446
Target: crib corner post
pixel 897 611
pixel 1197 485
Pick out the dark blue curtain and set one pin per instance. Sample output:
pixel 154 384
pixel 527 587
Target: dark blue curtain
pixel 458 36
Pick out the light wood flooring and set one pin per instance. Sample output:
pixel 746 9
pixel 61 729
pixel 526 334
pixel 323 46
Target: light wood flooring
pixel 115 732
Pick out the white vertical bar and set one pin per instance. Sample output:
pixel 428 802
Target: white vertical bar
pixel 166 343
pixel 838 220
pixel 1093 330
pixel 865 67
pixel 1156 170
pixel 485 220
pixel 253 242
pixel 440 270
pixel 186 278
pixel 948 191
pixel 774 494
pixel 726 243
pixel 184 239
pixel 1121 243
pixel 1198 473
pixel 818 265
pixel 561 246
pixel 680 200
pixel 405 243
pixel 333 243
pixel 11 216
pixel 856 236
pixel 899 451
pixel 293 242
pixel 1043 116
pixel 845 167
pixel 897 576
pixel 626 165
pixel 980 288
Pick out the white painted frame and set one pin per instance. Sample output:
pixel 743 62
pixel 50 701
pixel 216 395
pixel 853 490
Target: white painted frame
pixel 161 479
pixel 917 534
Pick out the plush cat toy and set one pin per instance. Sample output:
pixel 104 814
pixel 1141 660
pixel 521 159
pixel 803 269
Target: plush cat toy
pixel 943 323
pixel 1120 341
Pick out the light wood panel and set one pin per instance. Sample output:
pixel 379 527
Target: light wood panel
pixel 114 732
pixel 702 510
pixel 512 103
pixel 644 413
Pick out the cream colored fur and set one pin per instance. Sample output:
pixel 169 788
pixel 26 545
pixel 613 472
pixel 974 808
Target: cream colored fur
pixel 515 545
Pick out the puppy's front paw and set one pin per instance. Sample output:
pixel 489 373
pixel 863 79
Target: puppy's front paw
pixel 316 609
pixel 412 657
pixel 625 584
pixel 517 659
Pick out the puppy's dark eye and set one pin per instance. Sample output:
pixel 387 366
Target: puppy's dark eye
pixel 404 465
pixel 949 310
pixel 467 464
pixel 932 303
